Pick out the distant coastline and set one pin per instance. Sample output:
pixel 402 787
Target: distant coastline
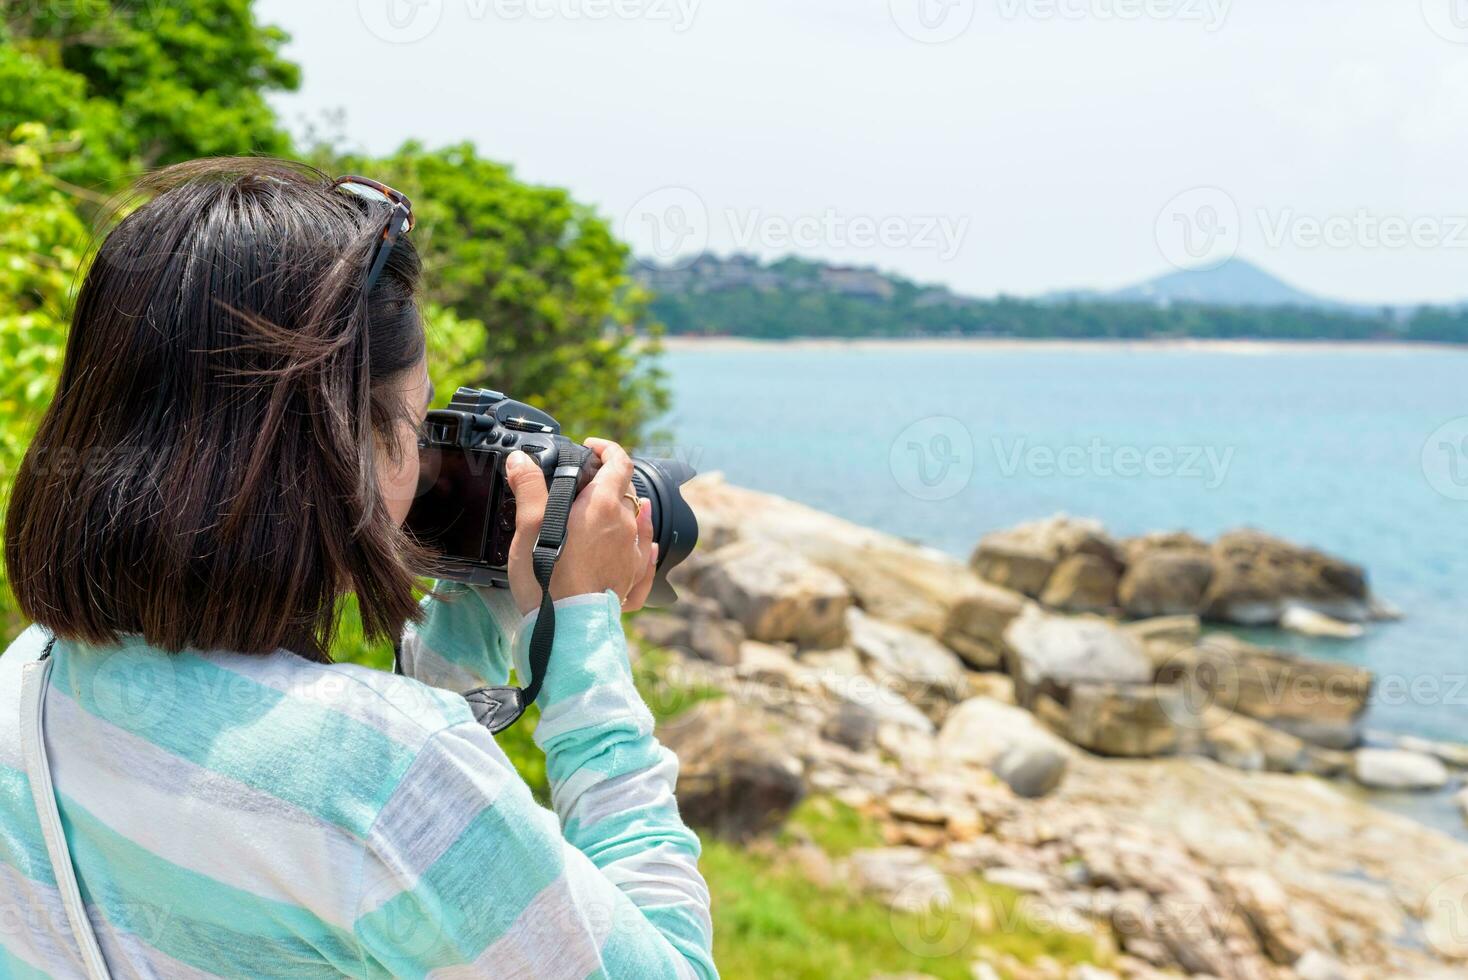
pixel 688 342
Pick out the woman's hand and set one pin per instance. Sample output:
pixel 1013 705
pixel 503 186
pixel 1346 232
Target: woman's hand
pixel 606 546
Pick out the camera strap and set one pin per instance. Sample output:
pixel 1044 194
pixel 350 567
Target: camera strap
pixel 497 708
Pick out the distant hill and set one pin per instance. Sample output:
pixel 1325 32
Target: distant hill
pixel 741 296
pixel 1236 282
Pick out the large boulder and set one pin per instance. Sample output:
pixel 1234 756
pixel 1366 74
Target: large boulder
pixel 1023 557
pixel 1318 700
pixel 1008 741
pixel 1397 769
pixel 776 594
pixel 1256 577
pixel 736 776
pixel 906 660
pixel 1047 654
pixel 976 620
pixel 1083 583
pixel 1129 721
pixel 1166 582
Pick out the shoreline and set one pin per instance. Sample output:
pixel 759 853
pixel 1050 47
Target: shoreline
pixel 688 342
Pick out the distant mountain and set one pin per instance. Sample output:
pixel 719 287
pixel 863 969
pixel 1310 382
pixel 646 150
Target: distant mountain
pixel 1235 283
pixel 740 295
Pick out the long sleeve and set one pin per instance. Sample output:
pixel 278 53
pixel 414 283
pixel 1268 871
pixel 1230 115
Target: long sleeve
pixel 463 641
pixel 464 875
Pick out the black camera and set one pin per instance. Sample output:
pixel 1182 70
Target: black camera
pixel 464 510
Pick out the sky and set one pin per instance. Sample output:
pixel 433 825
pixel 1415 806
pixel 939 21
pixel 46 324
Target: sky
pixel 1014 146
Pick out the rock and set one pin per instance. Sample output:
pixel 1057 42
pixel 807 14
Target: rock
pixel 773 665
pixel 1136 721
pixel 1260 897
pixel 906 660
pixel 1165 583
pixel 1315 965
pixel 975 623
pixel 887 706
pixel 1256 577
pixel 1021 880
pixel 1397 769
pixel 1164 637
pixel 1317 700
pixel 1031 769
pixel 851 725
pixel 916 808
pixel 1082 583
pixel 694 625
pixel 1453 753
pixel 1023 558
pixel 1308 622
pixel 1244 743
pixel 1048 653
pixel 736 777
pixel 1462 800
pixel 776 594
pixel 1008 741
pixel 902 875
pixel 996 687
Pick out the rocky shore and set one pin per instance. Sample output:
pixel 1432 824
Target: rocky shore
pixel 1060 718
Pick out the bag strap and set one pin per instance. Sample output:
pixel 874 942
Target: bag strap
pixel 35 677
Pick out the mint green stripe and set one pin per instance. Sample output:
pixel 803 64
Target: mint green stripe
pixel 15 968
pixel 190 916
pixel 21 844
pixel 507 846
pixel 681 927
pixel 612 748
pixel 460 629
pixel 631 834
pixel 637 953
pixel 323 761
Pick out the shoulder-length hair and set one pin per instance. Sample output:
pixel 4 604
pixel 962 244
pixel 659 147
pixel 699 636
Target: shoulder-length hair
pixel 205 476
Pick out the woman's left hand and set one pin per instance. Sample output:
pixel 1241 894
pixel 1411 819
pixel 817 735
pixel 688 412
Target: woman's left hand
pixel 606 548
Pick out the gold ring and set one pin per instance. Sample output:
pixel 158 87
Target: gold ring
pixel 636 502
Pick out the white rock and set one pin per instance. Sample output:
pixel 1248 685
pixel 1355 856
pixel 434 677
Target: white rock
pixel 1396 769
pixel 905 658
pixel 1299 619
pixel 1057 651
pixel 1315 965
pixel 1008 741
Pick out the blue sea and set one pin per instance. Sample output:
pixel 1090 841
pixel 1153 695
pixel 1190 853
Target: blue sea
pixel 1362 452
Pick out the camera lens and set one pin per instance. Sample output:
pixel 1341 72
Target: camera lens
pixel 674 526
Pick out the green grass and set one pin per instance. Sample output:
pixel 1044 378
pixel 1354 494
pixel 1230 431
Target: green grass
pixel 835 827
pixel 772 923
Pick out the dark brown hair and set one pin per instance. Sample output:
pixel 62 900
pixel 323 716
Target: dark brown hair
pixel 205 476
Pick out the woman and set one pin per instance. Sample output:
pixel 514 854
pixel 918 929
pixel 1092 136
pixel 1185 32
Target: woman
pixel 231 449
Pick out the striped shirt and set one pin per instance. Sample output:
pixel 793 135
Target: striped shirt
pixel 265 816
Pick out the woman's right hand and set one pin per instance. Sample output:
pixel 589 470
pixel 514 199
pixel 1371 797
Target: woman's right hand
pixel 607 547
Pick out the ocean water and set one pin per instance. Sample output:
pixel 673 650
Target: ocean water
pixel 1361 452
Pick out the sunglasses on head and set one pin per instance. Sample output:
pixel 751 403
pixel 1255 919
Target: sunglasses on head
pixel 399 220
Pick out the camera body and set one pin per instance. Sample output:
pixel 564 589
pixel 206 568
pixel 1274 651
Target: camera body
pixel 464 510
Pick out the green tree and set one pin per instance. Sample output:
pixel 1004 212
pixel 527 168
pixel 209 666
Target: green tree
pixel 540 284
